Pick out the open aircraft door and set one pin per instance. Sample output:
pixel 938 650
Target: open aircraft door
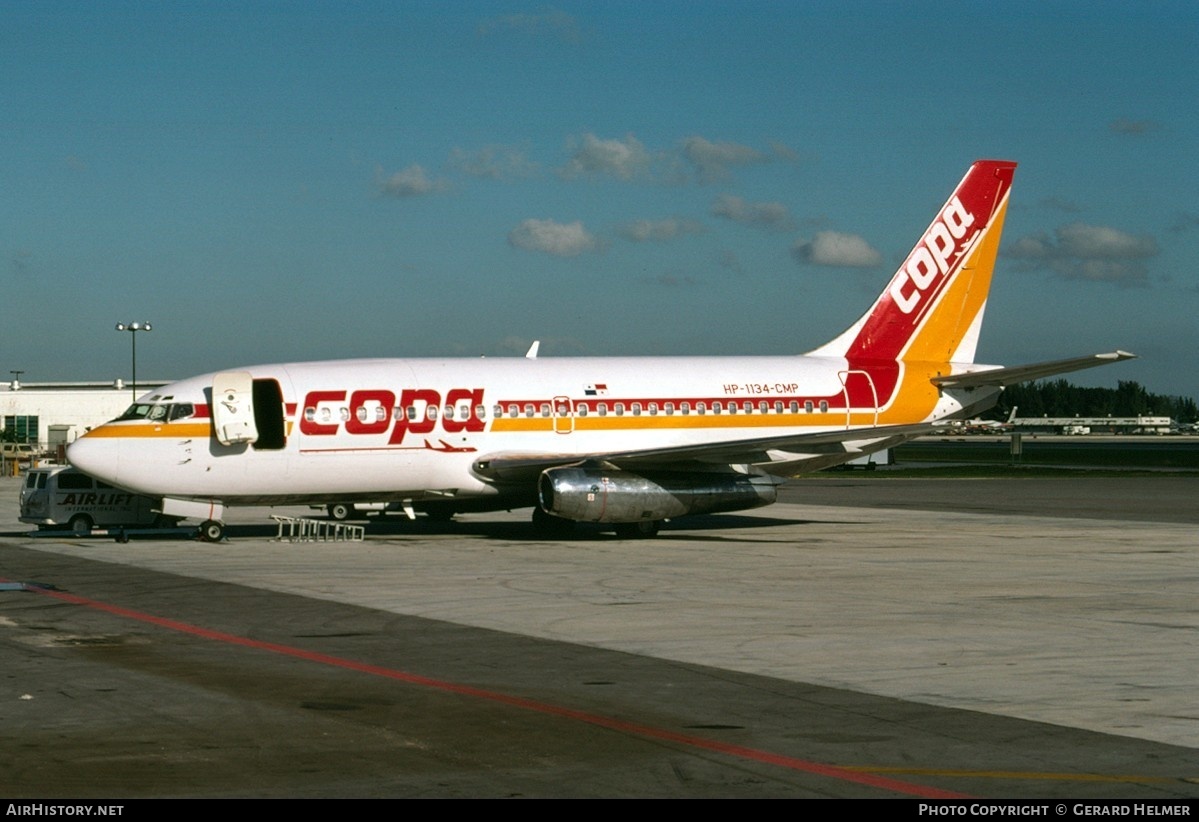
pixel 233 408
pixel 857 387
pixel 564 415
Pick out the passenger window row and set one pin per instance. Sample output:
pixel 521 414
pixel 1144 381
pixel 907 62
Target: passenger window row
pixel 378 413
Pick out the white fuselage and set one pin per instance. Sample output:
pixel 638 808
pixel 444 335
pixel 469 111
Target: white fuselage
pixel 414 429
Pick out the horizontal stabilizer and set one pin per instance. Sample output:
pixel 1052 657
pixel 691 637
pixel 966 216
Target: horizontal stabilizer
pixel 1024 373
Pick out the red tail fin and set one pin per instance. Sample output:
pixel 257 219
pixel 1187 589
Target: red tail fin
pixel 932 309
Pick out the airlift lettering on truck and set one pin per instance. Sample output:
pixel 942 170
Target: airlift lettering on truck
pixel 624 441
pixel 107 501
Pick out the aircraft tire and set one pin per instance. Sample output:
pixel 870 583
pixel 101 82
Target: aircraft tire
pixel 548 525
pixel 212 531
pixel 642 529
pixel 340 511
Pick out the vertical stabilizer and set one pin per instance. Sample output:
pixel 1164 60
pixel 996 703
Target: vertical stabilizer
pixel 933 307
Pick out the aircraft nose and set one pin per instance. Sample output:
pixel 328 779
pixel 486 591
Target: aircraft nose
pixel 96 455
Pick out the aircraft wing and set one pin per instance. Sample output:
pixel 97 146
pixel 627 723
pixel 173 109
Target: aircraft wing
pixel 512 467
pixel 1024 373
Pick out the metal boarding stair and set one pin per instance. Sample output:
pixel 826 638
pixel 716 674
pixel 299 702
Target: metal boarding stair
pixel 317 530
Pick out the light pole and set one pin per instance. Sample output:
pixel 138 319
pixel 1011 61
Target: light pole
pixel 133 328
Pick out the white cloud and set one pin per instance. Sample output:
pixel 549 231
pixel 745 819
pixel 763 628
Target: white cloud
pixel 1134 128
pixel 550 237
pixel 832 248
pixel 549 22
pixel 774 216
pixel 493 163
pixel 1087 252
pixel 671 280
pixel 642 231
pixel 623 159
pixel 713 161
pixel 409 182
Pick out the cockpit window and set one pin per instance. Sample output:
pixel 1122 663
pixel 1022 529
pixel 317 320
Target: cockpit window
pixel 137 411
pixel 158 412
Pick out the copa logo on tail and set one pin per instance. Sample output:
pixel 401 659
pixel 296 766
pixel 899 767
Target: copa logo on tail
pixel 940 249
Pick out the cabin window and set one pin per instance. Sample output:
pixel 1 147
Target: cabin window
pixel 807 406
pixel 685 408
pixel 545 409
pixel 669 408
pixel 701 407
pixel 581 408
pixel 481 411
pixel 363 413
pixel 716 409
pixel 430 411
pixel 513 410
pixel 823 406
pixel 764 407
pixel 603 409
pixel 653 409
pixel 778 406
pixel 636 409
pixel 529 410
pixel 619 408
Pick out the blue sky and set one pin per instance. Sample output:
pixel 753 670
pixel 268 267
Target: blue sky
pixel 289 181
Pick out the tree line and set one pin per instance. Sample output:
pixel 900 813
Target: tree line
pixel 1058 398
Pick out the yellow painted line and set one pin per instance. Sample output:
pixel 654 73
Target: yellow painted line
pixel 173 429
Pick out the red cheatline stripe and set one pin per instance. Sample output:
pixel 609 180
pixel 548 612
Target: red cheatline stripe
pixel 649 732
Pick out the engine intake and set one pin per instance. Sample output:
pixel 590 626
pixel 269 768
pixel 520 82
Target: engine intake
pixel 596 494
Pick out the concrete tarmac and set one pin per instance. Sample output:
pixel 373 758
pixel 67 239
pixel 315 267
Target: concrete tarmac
pixel 820 647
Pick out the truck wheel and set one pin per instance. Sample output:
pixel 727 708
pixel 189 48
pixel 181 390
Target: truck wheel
pixel 212 531
pixel 80 525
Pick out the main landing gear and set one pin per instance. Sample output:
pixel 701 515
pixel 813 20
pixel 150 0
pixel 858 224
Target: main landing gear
pixel 552 527
pixel 642 529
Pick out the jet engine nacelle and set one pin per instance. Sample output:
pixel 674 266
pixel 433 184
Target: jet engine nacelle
pixel 596 494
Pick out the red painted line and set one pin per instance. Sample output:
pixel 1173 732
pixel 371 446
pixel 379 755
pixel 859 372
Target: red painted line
pixel 611 723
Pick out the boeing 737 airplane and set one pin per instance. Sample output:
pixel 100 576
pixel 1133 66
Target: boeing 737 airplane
pixel 625 441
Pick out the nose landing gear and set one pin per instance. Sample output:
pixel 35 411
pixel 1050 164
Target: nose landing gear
pixel 211 530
